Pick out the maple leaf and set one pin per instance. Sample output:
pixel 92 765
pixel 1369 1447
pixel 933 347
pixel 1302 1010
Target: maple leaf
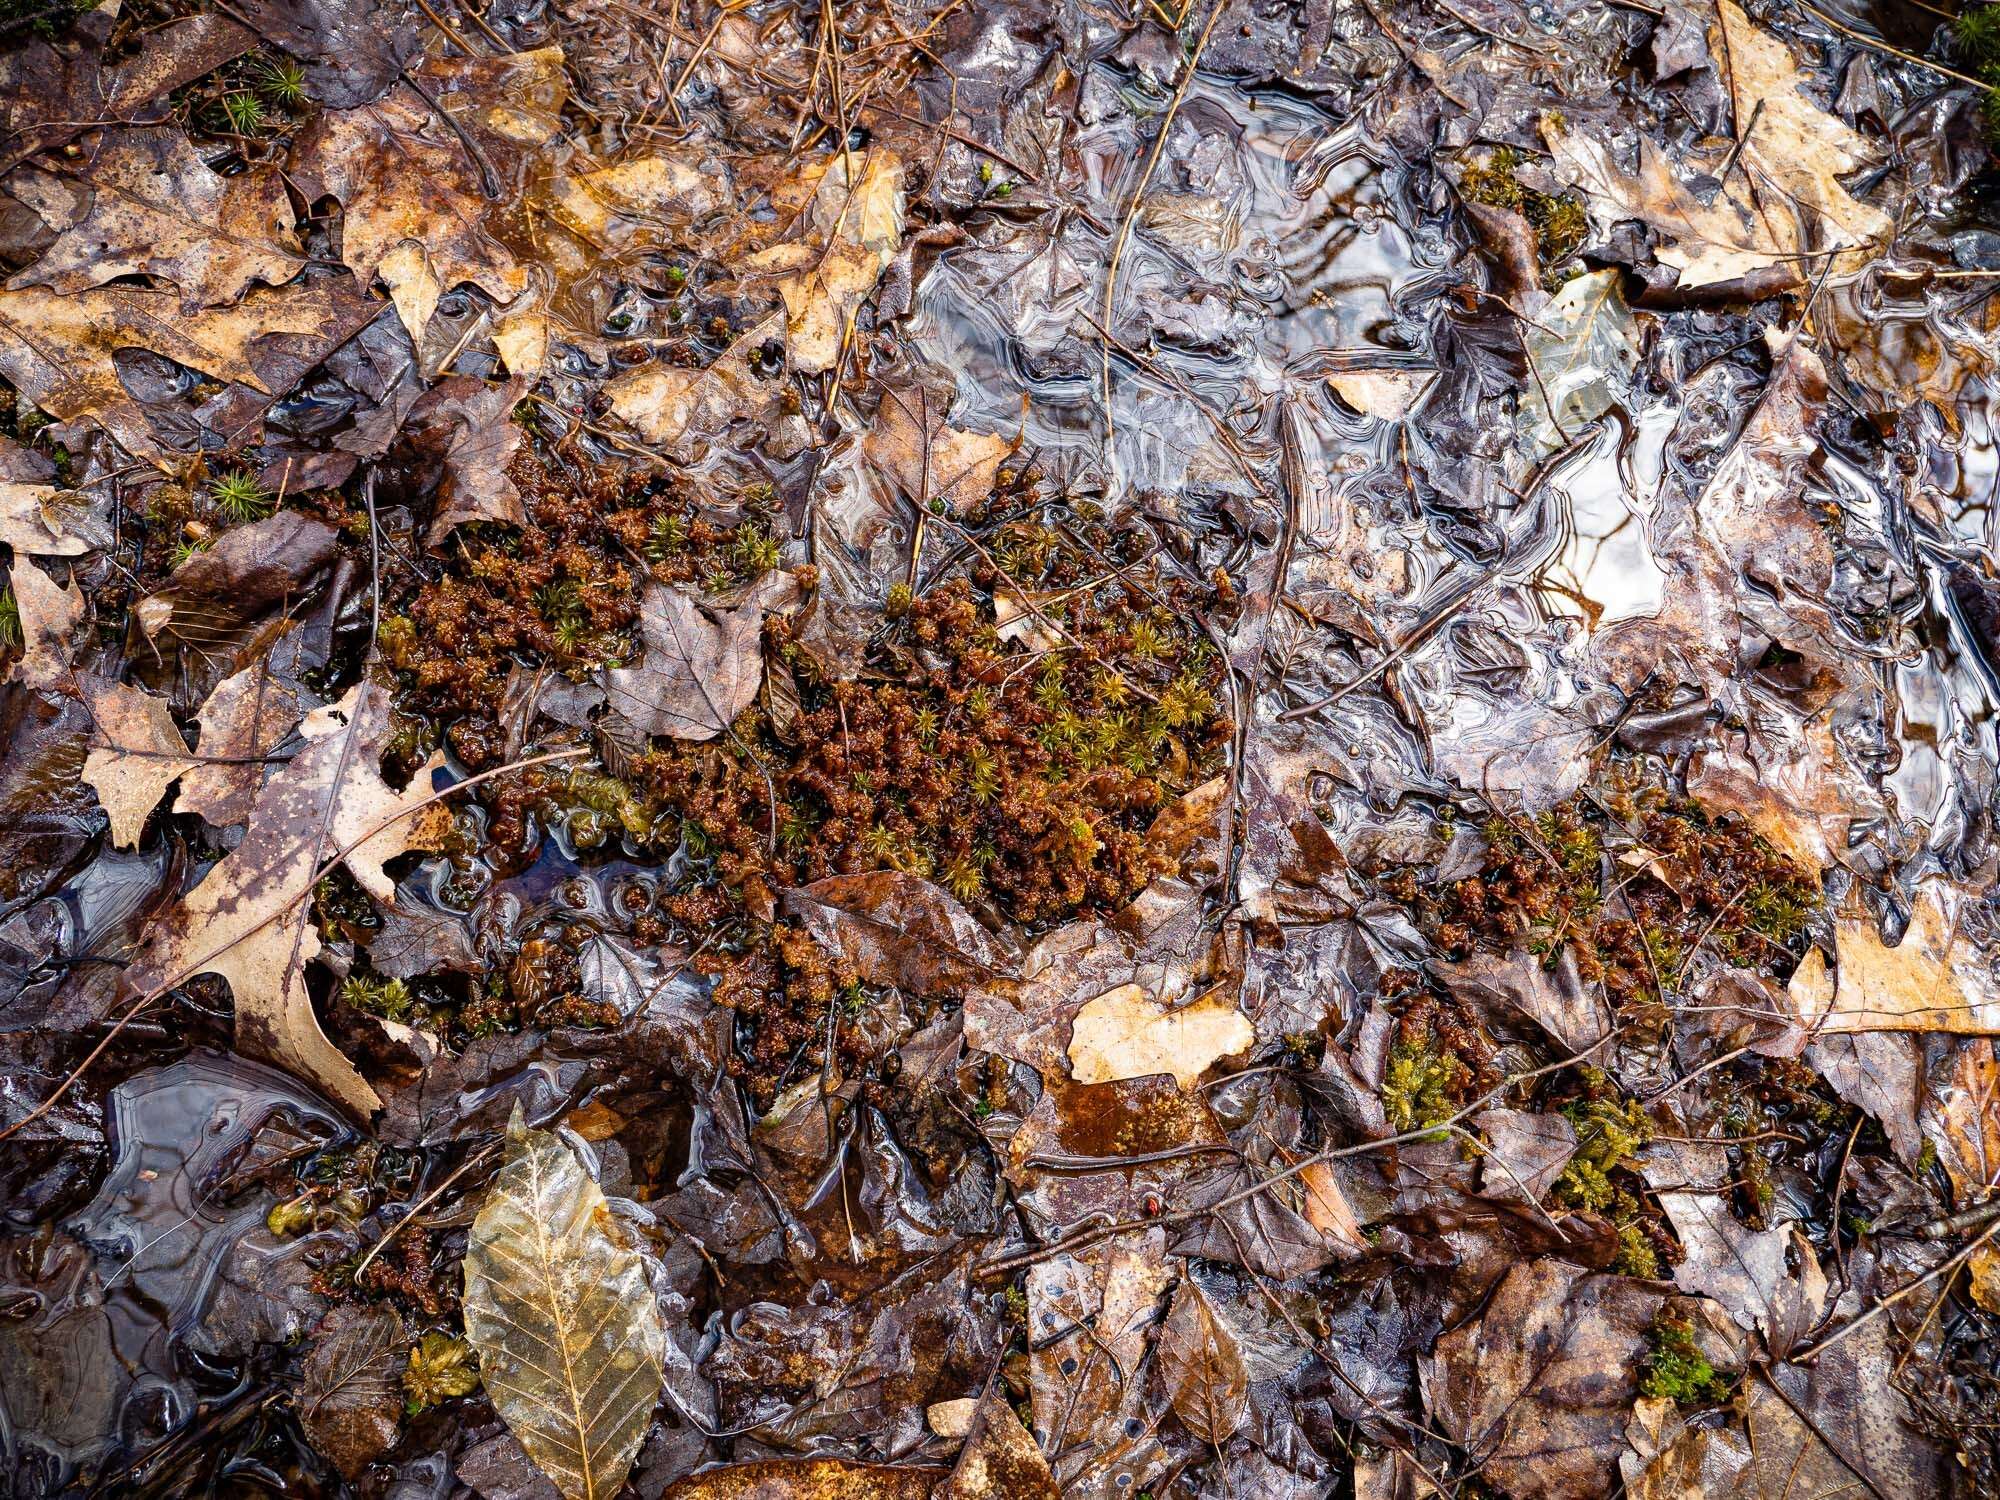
pixel 247 717
pixel 157 210
pixel 929 460
pixel 667 405
pixel 702 665
pixel 249 920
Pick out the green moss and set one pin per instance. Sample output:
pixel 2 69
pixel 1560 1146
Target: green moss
pixel 1417 1089
pixel 440 1368
pixel 1558 220
pixel 388 998
pixel 1609 1133
pixel 10 620
pixel 1677 1370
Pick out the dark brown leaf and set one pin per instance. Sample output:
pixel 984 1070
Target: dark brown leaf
pixel 351 1402
pixel 1202 1366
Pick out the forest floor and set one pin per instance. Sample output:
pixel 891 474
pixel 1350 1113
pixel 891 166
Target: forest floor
pixel 923 748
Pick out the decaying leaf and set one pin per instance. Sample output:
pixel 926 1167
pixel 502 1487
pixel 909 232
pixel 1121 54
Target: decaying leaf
pixel 1387 394
pixel 1582 349
pixel 59 349
pixel 157 210
pixel 1000 1460
pixel 571 1347
pixel 416 198
pixel 1202 1365
pixel 1126 1033
pixel 929 461
pixel 247 717
pixel 136 753
pixel 50 613
pixel 351 1402
pixel 668 405
pixel 32 520
pixel 1935 979
pixel 249 919
pixel 701 667
pixel 469 425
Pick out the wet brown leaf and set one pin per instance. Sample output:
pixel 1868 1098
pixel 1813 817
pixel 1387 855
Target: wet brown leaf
pixel 50 613
pixel 136 753
pixel 249 918
pixel 928 460
pixel 157 210
pixel 702 664
pixel 1202 1366
pixel 668 405
pixel 248 716
pixel 469 425
pixel 353 49
pixel 1000 1461
pixel 351 1401
pixel 1541 1383
pixel 850 237
pixel 892 928
pixel 416 199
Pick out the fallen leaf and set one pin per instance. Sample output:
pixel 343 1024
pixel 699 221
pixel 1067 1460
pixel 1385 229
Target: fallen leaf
pixel 702 665
pixel 953 1418
pixel 1539 1385
pixel 50 613
pixel 930 462
pixel 1748 1271
pixel 1933 980
pixel 1791 786
pixel 1386 395
pixel 415 198
pixel 890 928
pixel 606 203
pixel 351 1399
pixel 136 753
pixel 470 426
pixel 1202 1366
pixel 1583 347
pixel 53 91
pixel 249 919
pixel 668 405
pixel 1983 1278
pixel 247 717
pixel 1521 984
pixel 1000 1460
pixel 1326 1208
pixel 60 350
pixel 34 516
pixel 571 1347
pixel 1525 1152
pixel 352 49
pixel 1125 1033
pixel 157 210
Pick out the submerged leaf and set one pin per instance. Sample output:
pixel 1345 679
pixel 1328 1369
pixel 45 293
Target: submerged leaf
pixel 351 1403
pixel 571 1347
pixel 1202 1365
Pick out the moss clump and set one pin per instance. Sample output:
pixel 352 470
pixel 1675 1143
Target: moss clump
pixel 1676 1369
pixel 1975 41
pixel 1633 882
pixel 1558 220
pixel 440 1368
pixel 1601 1177
pixel 1439 1061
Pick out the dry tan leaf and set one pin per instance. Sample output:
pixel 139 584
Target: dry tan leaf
pixel 50 614
pixel 30 521
pixel 1983 1271
pixel 1386 395
pixel 59 350
pixel 951 1419
pixel 249 919
pixel 157 210
pixel 1125 1033
pixel 1202 1365
pixel 1934 980
pixel 1789 140
pixel 1326 1207
pixel 247 716
pixel 928 460
pixel 667 405
pixel 571 1347
pixel 701 667
pixel 136 753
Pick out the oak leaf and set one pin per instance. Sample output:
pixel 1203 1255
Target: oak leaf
pixel 249 920
pixel 136 753
pixel 157 210
pixel 668 405
pixel 1935 979
pixel 244 720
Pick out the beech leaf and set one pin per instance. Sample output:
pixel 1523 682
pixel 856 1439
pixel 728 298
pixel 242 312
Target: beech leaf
pixel 1202 1365
pixel 351 1400
pixel 571 1347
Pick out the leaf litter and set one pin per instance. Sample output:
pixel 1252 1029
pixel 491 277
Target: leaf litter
pixel 955 750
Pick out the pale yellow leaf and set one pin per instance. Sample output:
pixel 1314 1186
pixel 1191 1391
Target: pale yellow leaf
pixel 1125 1033
pixel 1934 980
pixel 571 1348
